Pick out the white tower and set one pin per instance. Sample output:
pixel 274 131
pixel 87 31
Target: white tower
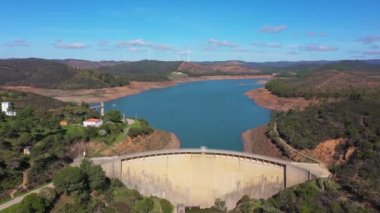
pixel 102 108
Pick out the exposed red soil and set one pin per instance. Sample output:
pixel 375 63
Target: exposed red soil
pixel 330 152
pixel 266 99
pixel 257 142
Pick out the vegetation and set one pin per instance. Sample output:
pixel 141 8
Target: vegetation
pixel 140 128
pixel 331 80
pixel 52 74
pixel 37 126
pixel 86 189
pixel 144 70
pixel 320 195
pixel 356 119
pixel 349 108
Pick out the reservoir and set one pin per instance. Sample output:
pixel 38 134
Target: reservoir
pixel 204 113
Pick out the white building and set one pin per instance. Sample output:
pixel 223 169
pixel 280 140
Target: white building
pixel 95 122
pixel 6 108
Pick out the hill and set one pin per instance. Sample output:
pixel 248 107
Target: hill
pixel 52 74
pixel 350 114
pixel 86 64
pixel 145 70
pixel 329 80
pixel 216 68
pixel 160 70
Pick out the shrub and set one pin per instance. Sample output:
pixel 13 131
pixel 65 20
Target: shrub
pixel 33 203
pixel 70 179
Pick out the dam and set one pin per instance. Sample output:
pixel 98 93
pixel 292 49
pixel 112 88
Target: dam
pixel 196 177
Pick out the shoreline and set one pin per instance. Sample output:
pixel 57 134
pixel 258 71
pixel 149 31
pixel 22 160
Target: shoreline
pixel 266 99
pixel 256 141
pixel 135 87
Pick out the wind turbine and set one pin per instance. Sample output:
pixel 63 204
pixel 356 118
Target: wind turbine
pixel 188 55
pixel 148 54
pixel 125 58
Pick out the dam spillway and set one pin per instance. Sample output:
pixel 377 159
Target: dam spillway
pixel 196 177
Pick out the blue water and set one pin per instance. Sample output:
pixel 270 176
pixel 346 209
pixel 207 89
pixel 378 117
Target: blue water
pixel 204 113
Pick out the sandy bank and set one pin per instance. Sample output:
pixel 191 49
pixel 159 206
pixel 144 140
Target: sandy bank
pixel 256 141
pixel 106 94
pixel 266 99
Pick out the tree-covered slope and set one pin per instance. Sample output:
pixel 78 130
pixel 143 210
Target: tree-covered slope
pixel 145 70
pixel 52 74
pixel 330 80
pixel 357 120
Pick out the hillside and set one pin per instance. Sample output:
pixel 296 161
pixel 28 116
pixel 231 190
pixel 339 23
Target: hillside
pixel 52 74
pixel 350 114
pixel 86 64
pixel 213 68
pixel 146 70
pixel 330 80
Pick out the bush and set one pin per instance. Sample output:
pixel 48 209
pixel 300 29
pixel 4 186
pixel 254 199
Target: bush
pixel 95 175
pixel 113 116
pixel 33 203
pixel 140 128
pixel 70 179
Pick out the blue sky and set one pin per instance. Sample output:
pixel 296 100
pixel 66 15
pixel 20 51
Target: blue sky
pixel 250 30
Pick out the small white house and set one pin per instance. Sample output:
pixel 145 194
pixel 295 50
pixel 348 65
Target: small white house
pixel 95 122
pixel 6 108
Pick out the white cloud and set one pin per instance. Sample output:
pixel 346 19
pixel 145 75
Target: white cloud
pixel 267 45
pixel 139 43
pixel 18 43
pixel 316 34
pixel 213 44
pixel 273 29
pixel 73 45
pixel 318 48
pixel 370 39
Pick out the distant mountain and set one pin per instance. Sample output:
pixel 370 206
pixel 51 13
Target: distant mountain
pixel 145 70
pixel 73 74
pixel 85 64
pixel 227 67
pixel 52 74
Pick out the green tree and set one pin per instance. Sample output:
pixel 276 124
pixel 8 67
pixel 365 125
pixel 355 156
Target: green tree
pixel 2 116
pixel 70 179
pixel 48 194
pixel 145 205
pixel 24 139
pixel 113 116
pixel 95 174
pixel 33 203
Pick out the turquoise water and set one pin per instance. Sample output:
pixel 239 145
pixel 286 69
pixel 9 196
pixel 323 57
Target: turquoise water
pixel 204 113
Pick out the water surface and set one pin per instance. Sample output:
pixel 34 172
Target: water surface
pixel 204 113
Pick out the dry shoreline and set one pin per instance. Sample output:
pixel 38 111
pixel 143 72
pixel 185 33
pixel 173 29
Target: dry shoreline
pixel 266 99
pixel 257 142
pixel 107 94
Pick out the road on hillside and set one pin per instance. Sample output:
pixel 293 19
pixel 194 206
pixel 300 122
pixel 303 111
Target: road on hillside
pixel 18 199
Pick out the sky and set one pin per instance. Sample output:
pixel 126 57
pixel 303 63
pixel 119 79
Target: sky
pixel 207 30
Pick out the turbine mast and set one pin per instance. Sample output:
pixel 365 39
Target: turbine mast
pixel 188 55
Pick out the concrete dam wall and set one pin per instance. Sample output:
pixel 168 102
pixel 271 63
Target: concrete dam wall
pixel 197 177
